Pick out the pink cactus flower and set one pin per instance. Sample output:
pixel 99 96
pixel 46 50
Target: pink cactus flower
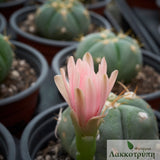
pixel 85 91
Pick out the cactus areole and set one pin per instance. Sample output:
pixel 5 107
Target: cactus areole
pixel 6 57
pixel 120 51
pixel 128 117
pixel 62 20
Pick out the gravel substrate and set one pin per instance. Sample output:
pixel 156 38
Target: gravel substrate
pixel 20 77
pixel 53 151
pixel 147 81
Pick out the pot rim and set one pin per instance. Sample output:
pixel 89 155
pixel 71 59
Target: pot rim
pixel 11 3
pixel 30 128
pixel 3 23
pixel 38 82
pixel 60 54
pixel 158 3
pixel 42 40
pixel 9 142
pixel 98 4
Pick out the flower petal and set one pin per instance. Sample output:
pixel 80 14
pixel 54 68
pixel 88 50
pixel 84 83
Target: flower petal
pixel 71 69
pixel 61 86
pixel 93 125
pixel 90 97
pixel 102 67
pixel 104 93
pixel 80 107
pixel 112 80
pixel 88 58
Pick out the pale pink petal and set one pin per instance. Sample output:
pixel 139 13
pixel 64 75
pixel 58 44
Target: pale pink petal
pixel 61 86
pixel 90 97
pixel 112 80
pixel 102 67
pixel 84 72
pixel 104 93
pixel 88 58
pixel 71 69
pixel 68 89
pixel 80 107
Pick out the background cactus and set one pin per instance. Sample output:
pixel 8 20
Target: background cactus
pixel 6 56
pixel 62 19
pixel 130 117
pixel 121 52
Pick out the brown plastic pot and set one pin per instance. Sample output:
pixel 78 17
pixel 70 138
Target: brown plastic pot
pixel 47 46
pixel 147 4
pixel 7 8
pixel 97 7
pixel 17 110
pixel 148 58
pixel 2 23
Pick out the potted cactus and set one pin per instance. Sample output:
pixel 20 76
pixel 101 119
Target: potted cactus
pixel 22 72
pixel 2 23
pixel 69 17
pixel 84 127
pixel 7 145
pixel 97 6
pixel 7 7
pixel 119 50
pixel 69 26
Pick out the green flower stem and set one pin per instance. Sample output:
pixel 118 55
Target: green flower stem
pixel 86 147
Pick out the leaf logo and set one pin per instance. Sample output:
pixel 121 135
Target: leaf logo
pixel 130 145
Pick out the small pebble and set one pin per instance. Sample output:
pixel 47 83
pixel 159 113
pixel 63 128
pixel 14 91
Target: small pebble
pixel 32 29
pixel 15 74
pixel 31 17
pixel 22 62
pixel 39 158
pixel 48 157
pixel 1 157
pixel 49 153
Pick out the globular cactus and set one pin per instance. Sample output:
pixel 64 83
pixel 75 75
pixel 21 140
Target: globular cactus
pixel 6 56
pixel 62 19
pixel 120 51
pixel 128 117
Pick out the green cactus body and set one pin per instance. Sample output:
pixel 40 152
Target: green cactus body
pixel 62 20
pixel 121 52
pixel 6 56
pixel 128 118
